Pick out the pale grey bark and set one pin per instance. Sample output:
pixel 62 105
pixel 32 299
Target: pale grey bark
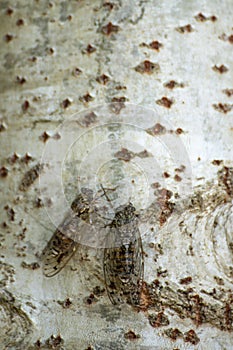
pixel 62 60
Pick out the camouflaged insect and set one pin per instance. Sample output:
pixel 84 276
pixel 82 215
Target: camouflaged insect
pixel 123 258
pixel 64 242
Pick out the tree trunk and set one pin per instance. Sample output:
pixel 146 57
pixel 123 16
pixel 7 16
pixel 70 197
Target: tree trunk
pixel 134 96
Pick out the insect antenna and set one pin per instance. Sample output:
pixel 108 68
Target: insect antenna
pixel 105 194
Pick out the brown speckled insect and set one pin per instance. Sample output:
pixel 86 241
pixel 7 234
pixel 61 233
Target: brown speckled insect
pixel 64 242
pixel 123 257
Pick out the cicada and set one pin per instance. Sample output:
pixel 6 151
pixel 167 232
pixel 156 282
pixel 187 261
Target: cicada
pixel 123 257
pixel 64 242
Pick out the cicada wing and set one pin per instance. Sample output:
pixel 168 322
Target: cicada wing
pixel 111 269
pixel 137 276
pixel 57 253
pixel 124 269
pixel 112 284
pixel 64 241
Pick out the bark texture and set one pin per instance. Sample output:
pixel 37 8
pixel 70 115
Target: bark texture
pixel 136 91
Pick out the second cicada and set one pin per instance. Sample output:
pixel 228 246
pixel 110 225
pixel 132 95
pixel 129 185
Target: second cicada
pixel 65 239
pixel 123 257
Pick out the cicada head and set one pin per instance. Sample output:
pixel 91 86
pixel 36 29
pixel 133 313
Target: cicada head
pixel 124 214
pixel 81 204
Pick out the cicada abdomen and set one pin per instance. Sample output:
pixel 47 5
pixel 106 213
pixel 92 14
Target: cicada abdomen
pixel 64 243
pixel 123 258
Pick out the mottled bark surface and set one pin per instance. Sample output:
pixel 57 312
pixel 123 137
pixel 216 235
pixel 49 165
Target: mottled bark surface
pixel 71 73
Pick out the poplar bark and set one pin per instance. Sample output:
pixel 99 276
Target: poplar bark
pixel 164 70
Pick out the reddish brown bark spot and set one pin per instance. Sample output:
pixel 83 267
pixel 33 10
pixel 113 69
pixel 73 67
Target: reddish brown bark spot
pixel 121 99
pixel 33 59
pixel 44 137
pixel 130 335
pixel 230 39
pixel 173 84
pixel 86 98
pixel 154 45
pixel 180 169
pixel 177 178
pixel 66 304
pixel 109 5
pixel 25 105
pixel 9 11
pixel 220 69
pixel 191 337
pixel 223 107
pixel 3 172
pixel 56 136
pixel 110 28
pixel 116 106
pixel 213 18
pixel 143 154
pixel 200 17
pixel 50 51
pixel 54 342
pixel 147 67
pixel 13 158
pixel 166 175
pixel 155 185
pixel 165 102
pixel 185 29
pixel 124 154
pixel 179 131
pixel 217 162
pixel 20 22
pixel 173 333
pixel 87 120
pixel 66 103
pixel 89 300
pixel 224 37
pixel 89 49
pixel 121 87
pixel 166 206
pixel 103 79
pixel 185 280
pixel 8 38
pixel 157 129
pixel 76 71
pixel 228 92
pixel 158 320
pixel 30 266
pixel 20 80
pixel 26 158
pixel 10 213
